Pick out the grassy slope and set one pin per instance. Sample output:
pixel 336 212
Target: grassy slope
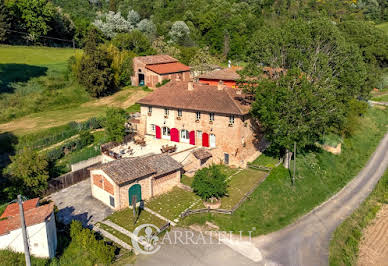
pixel 384 27
pixel 34 92
pixel 276 203
pixel 344 245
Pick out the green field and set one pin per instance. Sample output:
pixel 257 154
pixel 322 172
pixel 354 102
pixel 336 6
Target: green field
pixel 277 203
pixel 36 93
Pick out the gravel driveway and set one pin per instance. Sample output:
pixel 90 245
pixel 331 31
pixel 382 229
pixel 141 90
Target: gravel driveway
pixel 76 203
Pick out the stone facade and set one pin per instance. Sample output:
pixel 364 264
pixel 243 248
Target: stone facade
pixel 151 186
pixel 229 137
pixel 151 78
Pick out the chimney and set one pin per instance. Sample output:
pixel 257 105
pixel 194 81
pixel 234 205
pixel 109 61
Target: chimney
pixel 220 85
pixel 190 85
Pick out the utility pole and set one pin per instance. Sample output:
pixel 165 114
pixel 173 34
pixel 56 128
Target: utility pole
pixel 293 177
pixel 24 231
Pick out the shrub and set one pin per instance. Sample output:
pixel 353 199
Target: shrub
pixel 210 183
pixel 115 124
pixel 84 246
pixel 54 154
pixel 11 258
pixel 86 138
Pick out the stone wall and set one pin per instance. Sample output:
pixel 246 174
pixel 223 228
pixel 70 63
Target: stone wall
pixel 103 188
pixel 146 191
pixel 165 183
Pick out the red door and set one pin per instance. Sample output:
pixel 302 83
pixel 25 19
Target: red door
pixel 192 137
pixel 158 133
pixel 205 139
pixel 174 133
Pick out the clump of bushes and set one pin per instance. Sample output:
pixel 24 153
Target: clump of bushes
pixel 210 183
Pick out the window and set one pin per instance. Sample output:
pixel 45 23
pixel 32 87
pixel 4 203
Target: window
pixel 179 112
pixel 197 115
pixel 185 136
pixel 112 201
pixel 166 112
pixel 149 109
pixel 211 116
pixel 199 134
pixel 166 132
pixel 152 128
pixel 231 119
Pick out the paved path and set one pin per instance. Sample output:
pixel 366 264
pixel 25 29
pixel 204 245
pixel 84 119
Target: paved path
pixel 76 203
pixel 305 242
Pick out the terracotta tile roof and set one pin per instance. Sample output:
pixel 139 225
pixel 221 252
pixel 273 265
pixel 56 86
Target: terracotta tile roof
pixel 32 216
pixel 223 74
pixel 127 169
pixel 168 68
pixel 156 59
pixel 208 98
pixel 202 154
pixel 13 209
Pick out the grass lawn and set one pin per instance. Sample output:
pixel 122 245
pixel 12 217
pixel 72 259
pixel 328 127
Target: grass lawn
pixel 265 160
pixel 124 218
pixel 344 244
pixel 187 180
pixel 239 185
pixel 276 203
pixel 171 204
pixel 117 234
pixel 382 98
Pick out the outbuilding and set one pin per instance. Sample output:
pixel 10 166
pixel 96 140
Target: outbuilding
pixel 118 182
pixel 153 69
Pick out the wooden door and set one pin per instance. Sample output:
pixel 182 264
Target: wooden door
pixel 135 190
pixel 158 132
pixel 174 133
pixel 192 137
pixel 205 140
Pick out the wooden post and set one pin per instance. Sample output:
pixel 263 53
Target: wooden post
pixel 24 232
pixel 293 177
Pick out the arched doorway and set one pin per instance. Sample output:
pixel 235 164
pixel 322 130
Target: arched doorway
pixel 174 134
pixel 192 137
pixel 157 132
pixel 212 140
pixel 205 140
pixel 185 136
pixel 134 191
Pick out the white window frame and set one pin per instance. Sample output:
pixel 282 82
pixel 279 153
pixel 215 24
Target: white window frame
pixel 197 115
pixel 212 145
pixel 231 119
pixel 150 109
pixel 211 117
pixel 166 111
pixel 168 135
pixel 184 136
pixel 199 135
pixel 153 128
pixel 180 112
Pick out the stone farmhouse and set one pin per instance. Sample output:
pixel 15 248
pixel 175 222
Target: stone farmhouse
pixel 214 117
pixel 41 228
pixel 153 69
pixel 115 183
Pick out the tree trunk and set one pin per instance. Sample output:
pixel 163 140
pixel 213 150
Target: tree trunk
pixel 287 159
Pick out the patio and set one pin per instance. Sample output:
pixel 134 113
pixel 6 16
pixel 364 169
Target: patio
pixel 152 145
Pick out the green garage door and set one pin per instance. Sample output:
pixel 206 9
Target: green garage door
pixel 135 190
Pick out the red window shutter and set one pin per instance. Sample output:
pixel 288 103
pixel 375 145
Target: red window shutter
pixel 174 133
pixel 158 133
pixel 205 140
pixel 192 137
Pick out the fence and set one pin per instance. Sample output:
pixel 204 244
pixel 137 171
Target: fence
pixel 223 211
pixel 68 179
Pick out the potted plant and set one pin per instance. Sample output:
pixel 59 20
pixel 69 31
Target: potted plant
pixel 210 184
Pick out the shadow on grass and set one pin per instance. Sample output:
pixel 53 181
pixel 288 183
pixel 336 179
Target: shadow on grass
pixel 10 73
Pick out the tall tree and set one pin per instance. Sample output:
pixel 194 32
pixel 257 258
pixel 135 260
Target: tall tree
pixel 4 22
pixel 114 124
pixel 324 73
